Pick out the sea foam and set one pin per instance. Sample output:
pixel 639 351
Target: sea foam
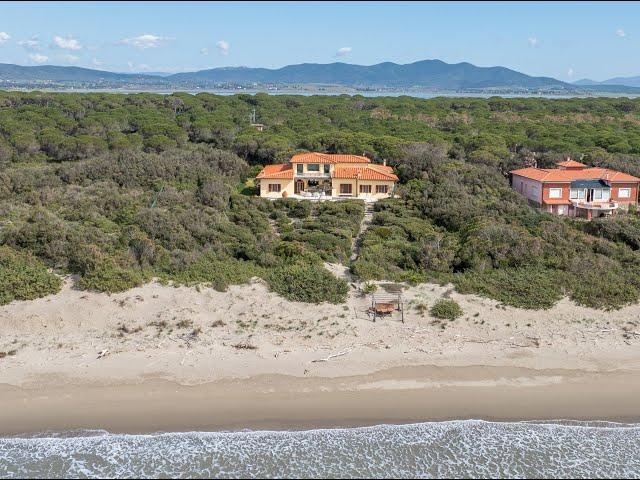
pixel 470 448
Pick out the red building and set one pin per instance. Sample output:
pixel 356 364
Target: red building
pixel 576 190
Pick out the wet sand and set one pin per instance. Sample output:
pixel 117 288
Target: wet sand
pixel 278 402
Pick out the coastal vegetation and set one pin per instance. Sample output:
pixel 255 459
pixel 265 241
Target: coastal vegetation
pixel 23 277
pixel 446 309
pixel 119 189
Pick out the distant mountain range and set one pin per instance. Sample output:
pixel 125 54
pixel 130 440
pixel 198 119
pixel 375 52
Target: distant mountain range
pixel 427 74
pixel 52 73
pixel 625 81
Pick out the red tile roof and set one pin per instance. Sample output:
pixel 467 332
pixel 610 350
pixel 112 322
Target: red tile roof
pixel 566 176
pixel 279 170
pixel 315 157
pixel 568 163
pixel 370 172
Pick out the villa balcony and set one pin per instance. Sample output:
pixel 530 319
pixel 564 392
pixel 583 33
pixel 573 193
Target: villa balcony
pixel 312 175
pixel 606 206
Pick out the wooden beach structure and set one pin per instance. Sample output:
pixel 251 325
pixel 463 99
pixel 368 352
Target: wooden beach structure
pixel 385 304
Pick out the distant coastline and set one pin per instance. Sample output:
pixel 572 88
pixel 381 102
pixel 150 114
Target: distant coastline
pixel 422 79
pixel 425 94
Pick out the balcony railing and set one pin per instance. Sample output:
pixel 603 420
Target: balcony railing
pixel 607 205
pixel 312 175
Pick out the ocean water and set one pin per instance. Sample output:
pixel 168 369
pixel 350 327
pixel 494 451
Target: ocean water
pixel 470 448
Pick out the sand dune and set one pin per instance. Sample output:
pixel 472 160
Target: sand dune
pixel 199 335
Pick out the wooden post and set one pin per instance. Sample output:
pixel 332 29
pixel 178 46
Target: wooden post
pixel 373 306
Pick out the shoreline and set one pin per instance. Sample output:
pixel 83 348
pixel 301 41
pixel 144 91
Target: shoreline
pixel 402 395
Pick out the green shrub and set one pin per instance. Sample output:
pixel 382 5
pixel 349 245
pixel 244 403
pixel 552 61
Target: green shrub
pixel 369 288
pixel 599 282
pixel 329 246
pixel 307 283
pixel 446 309
pixel 523 288
pixel 217 272
pixel 23 277
pixel 111 278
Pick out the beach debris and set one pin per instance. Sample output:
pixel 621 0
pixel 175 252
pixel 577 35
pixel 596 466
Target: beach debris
pixel 103 353
pixel 124 329
pixel 184 323
pixel 244 346
pixel 326 359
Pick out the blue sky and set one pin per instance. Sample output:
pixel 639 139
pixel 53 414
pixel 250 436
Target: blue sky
pixel 563 40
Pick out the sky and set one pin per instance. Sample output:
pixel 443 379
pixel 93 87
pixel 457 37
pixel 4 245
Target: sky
pixel 567 41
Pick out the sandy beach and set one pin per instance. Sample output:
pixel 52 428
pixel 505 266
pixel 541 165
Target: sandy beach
pixel 276 402
pixel 181 358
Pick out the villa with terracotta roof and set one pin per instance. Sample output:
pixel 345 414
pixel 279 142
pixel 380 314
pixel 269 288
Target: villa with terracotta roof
pixel 576 190
pixel 327 176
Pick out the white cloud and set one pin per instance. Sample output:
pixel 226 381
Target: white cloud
pixel 38 58
pixel 96 62
pixel 65 43
pixel 621 33
pixel 223 47
pixel 68 58
pixel 145 41
pixel 30 45
pixel 343 51
pixel 533 42
pixel 4 37
pixel 204 51
pixel 142 67
pixel 570 72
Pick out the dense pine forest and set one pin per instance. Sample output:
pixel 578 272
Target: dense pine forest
pixel 118 189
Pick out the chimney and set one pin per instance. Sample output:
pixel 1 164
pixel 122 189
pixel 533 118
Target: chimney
pixel 384 162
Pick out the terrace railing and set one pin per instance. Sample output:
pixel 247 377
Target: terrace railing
pixel 608 205
pixel 312 175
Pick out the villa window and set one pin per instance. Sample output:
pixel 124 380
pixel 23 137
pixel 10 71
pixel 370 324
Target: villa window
pixel 555 193
pixel 365 188
pixel 624 193
pixel 274 187
pixel 300 168
pixel 382 188
pixel 576 194
pixel 345 189
pixel 327 168
pixel 597 194
pixel 313 167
